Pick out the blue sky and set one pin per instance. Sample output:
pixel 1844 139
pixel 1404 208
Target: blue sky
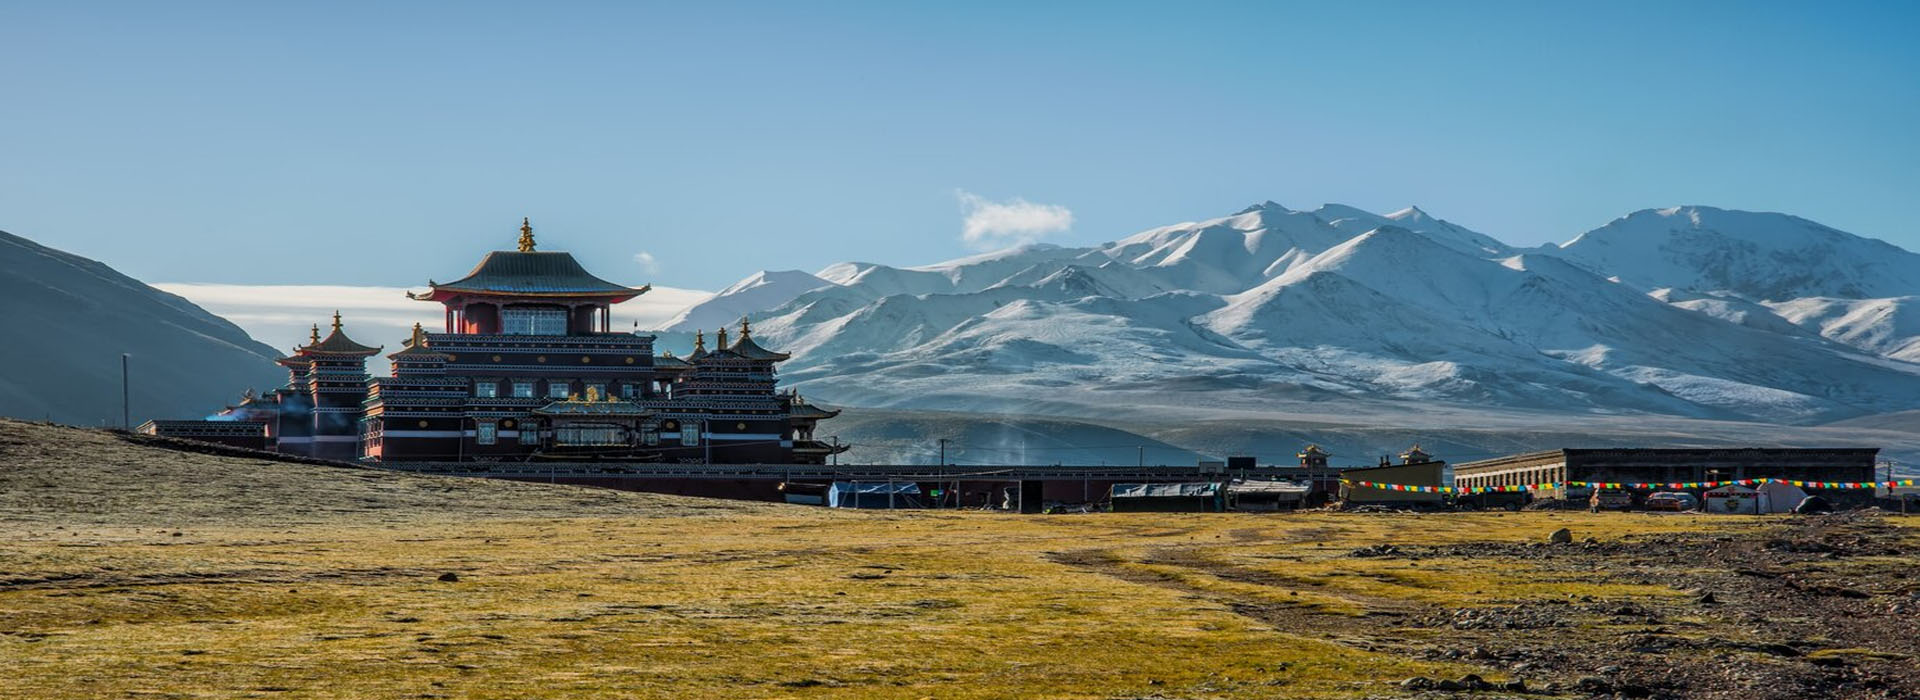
pixel 385 143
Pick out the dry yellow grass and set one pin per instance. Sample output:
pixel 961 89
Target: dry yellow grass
pixel 623 595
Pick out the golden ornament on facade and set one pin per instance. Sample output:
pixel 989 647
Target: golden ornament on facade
pixel 526 235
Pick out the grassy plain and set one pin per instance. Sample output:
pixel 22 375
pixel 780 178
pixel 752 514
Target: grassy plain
pixel 260 579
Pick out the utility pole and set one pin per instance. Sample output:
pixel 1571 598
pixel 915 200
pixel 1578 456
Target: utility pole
pixel 836 449
pixel 1143 456
pixel 126 410
pixel 943 452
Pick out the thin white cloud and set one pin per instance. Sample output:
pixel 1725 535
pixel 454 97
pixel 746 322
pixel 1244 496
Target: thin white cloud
pixel 989 224
pixel 647 262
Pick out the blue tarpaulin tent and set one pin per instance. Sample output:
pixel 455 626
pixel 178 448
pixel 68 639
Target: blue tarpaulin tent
pixel 873 494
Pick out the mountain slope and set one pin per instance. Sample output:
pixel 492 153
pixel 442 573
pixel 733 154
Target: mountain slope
pixel 1887 327
pixel 1755 255
pixel 758 292
pixel 1533 331
pixel 72 317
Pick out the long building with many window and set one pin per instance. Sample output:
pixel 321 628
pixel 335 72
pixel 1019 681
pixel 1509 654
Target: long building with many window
pixel 526 367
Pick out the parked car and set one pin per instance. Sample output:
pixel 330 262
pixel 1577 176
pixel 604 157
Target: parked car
pixel 1673 501
pixel 1610 499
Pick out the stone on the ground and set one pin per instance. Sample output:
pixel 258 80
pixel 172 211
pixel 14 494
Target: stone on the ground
pixel 1561 536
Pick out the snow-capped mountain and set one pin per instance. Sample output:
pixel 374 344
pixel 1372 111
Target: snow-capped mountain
pixel 1689 312
pixel 762 290
pixel 1753 255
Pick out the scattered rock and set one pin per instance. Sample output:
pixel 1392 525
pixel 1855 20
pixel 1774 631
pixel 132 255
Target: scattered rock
pixel 1417 683
pixel 1560 536
pixel 450 577
pixel 1378 550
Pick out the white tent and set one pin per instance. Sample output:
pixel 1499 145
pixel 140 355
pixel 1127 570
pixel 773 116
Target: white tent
pixel 1733 498
pixel 1778 497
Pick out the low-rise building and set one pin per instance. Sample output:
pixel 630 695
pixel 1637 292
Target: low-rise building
pixel 1666 465
pixel 246 434
pixel 1416 468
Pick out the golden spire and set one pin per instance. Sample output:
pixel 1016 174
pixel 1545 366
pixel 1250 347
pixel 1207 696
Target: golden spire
pixel 526 235
pixel 336 320
pixel 314 339
pixel 720 338
pixel 699 340
pixel 744 328
pixel 419 336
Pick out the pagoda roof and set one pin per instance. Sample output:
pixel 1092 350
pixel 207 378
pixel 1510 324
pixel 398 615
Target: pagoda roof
pixel 743 348
pixel 746 348
pixel 530 273
pixel 336 343
pixel 802 409
pixel 699 346
pixel 668 361
pixel 416 346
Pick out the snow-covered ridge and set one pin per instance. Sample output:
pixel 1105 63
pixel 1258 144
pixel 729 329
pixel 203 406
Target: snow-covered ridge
pixel 1689 311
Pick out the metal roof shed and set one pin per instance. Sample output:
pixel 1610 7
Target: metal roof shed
pixel 1189 497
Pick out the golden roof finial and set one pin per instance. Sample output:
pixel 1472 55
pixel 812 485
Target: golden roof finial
pixel 745 329
pixel 720 338
pixel 419 336
pixel 314 339
pixel 336 320
pixel 526 235
pixel 699 340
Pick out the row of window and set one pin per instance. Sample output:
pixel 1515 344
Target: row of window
pixel 488 433
pixel 561 390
